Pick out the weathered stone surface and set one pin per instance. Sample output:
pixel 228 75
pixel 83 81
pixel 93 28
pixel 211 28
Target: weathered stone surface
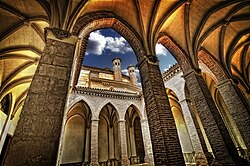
pixel 94 143
pixel 41 119
pixel 236 104
pixel 123 143
pixel 165 142
pixel 219 138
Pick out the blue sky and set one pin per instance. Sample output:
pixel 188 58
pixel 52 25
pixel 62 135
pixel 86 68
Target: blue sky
pixel 106 44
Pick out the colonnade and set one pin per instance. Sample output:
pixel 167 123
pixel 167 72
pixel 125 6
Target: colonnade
pixel 45 105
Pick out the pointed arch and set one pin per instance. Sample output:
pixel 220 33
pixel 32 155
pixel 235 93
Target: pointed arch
pixel 179 54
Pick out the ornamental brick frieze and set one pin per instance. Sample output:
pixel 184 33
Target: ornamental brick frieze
pixel 179 54
pixel 107 93
pixel 171 72
pixel 212 65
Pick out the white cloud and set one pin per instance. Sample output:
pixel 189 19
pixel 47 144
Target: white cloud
pixel 125 71
pixel 98 43
pixel 161 50
pixel 118 44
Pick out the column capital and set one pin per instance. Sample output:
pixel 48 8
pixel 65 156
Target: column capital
pixel 144 120
pixel 59 35
pixel 151 59
pixel 184 100
pixel 121 120
pixel 226 82
pixel 192 71
pixel 95 120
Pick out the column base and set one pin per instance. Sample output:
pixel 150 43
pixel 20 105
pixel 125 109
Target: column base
pixel 149 159
pixel 201 159
pixel 94 164
pixel 124 162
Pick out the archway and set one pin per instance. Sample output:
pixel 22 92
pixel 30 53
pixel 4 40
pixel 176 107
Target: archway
pixel 108 145
pixel 183 135
pixel 76 142
pixel 226 116
pixel 135 145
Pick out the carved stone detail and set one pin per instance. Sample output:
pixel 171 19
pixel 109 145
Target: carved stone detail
pixel 58 33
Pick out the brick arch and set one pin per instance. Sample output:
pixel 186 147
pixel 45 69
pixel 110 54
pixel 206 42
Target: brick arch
pixel 206 58
pixel 179 54
pixel 106 19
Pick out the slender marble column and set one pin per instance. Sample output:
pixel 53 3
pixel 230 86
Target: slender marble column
pixel 37 136
pixel 123 143
pixel 149 158
pixel 199 154
pixel 94 143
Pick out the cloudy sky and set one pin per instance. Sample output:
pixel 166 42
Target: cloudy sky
pixel 106 44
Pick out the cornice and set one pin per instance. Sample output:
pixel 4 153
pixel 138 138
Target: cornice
pixel 107 93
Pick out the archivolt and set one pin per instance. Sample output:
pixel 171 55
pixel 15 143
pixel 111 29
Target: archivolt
pixel 106 19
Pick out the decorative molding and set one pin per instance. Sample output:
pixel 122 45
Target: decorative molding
pixel 60 35
pixel 107 93
pixel 171 72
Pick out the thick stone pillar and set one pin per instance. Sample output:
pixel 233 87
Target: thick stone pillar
pixel 149 158
pixel 94 143
pixel 37 135
pixel 236 108
pixel 222 145
pixel 123 143
pixel 165 142
pixel 200 157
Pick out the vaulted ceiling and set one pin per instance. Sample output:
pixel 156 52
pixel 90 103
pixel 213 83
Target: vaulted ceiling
pixel 220 27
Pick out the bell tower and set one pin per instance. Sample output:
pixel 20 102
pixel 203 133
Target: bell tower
pixel 117 69
pixel 132 74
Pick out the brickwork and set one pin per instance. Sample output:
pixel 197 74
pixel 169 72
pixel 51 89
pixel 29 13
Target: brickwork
pixel 239 111
pixel 177 84
pixel 199 157
pixel 199 154
pixel 40 123
pixel 181 58
pixel 79 60
pixel 165 142
pixel 236 109
pixel 219 138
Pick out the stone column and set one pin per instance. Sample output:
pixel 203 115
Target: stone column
pixel 199 153
pixel 149 158
pixel 123 143
pixel 165 142
pixel 236 108
pixel 37 135
pixel 222 145
pixel 94 143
